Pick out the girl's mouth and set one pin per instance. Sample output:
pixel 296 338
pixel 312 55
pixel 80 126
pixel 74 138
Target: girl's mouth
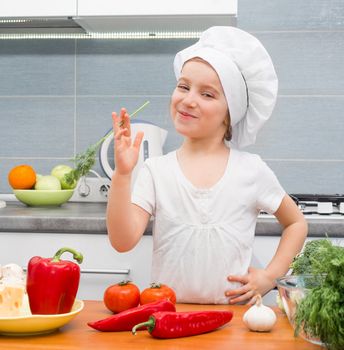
pixel 185 115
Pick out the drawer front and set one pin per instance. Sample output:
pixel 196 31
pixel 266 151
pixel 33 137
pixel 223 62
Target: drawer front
pixel 265 247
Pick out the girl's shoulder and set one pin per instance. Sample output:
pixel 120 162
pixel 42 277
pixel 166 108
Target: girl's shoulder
pixel 247 157
pixel 162 161
pixel 249 164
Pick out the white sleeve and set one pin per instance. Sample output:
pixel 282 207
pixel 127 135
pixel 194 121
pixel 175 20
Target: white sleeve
pixel 269 191
pixel 143 193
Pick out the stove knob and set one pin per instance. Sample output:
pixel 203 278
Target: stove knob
pixel 325 208
pixel 341 207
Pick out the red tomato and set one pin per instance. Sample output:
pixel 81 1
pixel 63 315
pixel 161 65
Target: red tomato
pixel 121 296
pixel 156 292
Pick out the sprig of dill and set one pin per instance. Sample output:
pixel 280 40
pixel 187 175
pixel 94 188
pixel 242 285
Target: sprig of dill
pixel 85 161
pixel 321 312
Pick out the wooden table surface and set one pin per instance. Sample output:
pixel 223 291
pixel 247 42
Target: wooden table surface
pixel 234 335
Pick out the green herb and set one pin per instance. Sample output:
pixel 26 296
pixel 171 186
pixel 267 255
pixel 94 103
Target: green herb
pixel 85 161
pixel 312 260
pixel 321 312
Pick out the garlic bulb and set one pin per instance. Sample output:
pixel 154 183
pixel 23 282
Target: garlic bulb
pixel 12 274
pixel 259 318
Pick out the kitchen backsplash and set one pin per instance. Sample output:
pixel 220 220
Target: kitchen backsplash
pixel 56 96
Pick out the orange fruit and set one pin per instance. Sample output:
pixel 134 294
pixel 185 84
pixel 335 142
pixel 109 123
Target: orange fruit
pixel 22 177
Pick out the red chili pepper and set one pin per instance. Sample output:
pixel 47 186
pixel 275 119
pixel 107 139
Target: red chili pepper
pixel 126 320
pixel 183 324
pixel 52 283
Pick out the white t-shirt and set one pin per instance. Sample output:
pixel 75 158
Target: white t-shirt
pixel 200 236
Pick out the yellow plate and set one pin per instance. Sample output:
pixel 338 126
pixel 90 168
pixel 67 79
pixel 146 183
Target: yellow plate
pixel 37 324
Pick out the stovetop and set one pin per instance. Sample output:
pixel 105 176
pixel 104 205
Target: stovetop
pixel 319 204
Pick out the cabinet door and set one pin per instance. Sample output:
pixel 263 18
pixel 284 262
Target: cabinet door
pixel 264 248
pixel 155 7
pixel 102 265
pixel 38 8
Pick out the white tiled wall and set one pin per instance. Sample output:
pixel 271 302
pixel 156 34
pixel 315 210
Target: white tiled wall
pixel 56 96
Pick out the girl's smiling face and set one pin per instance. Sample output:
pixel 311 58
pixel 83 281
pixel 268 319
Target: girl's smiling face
pixel 198 104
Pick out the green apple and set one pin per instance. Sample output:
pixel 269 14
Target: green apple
pixel 48 182
pixel 60 171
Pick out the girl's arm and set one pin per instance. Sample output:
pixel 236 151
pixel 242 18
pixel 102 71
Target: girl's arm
pixel 293 237
pixel 125 221
pixel 261 281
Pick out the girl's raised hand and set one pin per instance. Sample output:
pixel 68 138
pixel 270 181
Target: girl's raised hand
pixel 126 152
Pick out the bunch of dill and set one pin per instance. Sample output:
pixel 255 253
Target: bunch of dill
pixel 321 312
pixel 84 162
pixel 312 260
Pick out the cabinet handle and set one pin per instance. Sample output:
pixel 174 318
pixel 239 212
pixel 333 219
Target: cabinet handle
pixel 101 271
pixel 107 272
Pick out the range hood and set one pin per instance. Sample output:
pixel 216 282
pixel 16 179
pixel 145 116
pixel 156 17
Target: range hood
pixel 91 18
pixel 153 23
pixel 44 25
pixel 111 24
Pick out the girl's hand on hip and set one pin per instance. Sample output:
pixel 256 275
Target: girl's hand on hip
pixel 256 281
pixel 126 152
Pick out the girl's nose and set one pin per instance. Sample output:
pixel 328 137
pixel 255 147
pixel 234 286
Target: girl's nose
pixel 190 99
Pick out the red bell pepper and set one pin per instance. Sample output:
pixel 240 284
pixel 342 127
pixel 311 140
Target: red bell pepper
pixel 52 283
pixel 183 324
pixel 126 320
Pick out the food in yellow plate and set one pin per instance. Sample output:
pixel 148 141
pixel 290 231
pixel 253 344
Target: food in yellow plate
pixel 13 297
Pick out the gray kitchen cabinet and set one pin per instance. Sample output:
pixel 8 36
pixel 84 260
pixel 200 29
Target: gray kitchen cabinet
pixel 102 265
pixel 155 7
pixel 154 15
pixel 38 8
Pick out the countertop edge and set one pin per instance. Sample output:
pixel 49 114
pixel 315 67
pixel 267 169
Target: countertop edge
pixel 98 226
pixel 89 218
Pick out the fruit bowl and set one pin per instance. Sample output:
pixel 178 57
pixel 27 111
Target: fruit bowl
pixel 292 289
pixel 43 198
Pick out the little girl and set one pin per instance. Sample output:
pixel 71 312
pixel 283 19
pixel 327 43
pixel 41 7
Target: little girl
pixel 205 196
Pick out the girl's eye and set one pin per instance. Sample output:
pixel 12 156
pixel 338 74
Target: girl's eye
pixel 207 94
pixel 182 87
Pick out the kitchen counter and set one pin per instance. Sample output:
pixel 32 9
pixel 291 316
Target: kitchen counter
pixel 73 217
pixel 234 335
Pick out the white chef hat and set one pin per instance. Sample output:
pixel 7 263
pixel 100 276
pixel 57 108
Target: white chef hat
pixel 246 73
